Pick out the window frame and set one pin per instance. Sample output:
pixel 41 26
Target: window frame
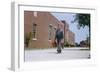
pixel 17 50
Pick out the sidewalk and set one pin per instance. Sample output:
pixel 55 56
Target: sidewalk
pixel 51 54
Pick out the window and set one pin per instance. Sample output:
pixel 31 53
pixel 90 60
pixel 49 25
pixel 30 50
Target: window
pixel 50 32
pixel 34 31
pixel 55 28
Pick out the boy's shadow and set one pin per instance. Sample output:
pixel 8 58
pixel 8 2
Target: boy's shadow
pixel 54 52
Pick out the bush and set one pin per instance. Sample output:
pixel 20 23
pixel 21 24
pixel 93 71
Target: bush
pixel 27 38
pixel 66 44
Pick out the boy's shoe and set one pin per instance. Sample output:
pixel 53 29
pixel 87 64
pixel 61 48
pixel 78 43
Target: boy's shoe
pixel 59 50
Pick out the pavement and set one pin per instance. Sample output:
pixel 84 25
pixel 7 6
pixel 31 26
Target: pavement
pixel 51 54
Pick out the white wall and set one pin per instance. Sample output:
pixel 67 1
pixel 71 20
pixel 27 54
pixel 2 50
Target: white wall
pixel 5 34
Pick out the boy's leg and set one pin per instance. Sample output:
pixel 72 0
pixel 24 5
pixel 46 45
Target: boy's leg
pixel 59 47
pixel 62 45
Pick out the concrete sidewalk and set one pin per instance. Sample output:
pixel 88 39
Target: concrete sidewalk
pixel 51 54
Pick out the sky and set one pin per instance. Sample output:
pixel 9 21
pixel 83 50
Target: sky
pixel 80 34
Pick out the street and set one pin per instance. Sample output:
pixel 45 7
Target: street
pixel 51 54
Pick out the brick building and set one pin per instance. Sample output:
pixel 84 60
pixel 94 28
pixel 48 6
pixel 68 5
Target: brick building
pixel 42 26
